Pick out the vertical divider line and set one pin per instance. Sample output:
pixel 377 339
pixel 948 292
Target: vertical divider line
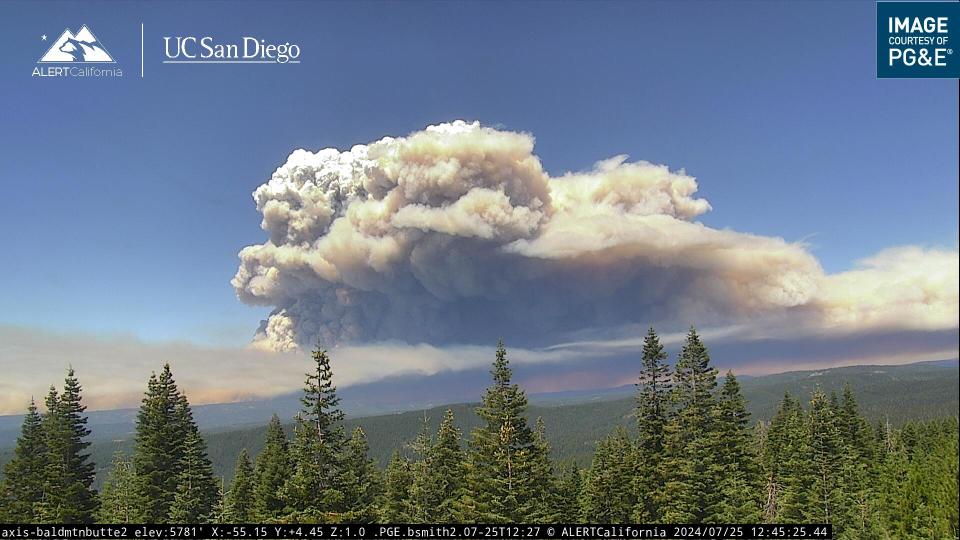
pixel 141 50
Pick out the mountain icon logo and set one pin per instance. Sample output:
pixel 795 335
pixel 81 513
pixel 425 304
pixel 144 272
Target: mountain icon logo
pixel 82 47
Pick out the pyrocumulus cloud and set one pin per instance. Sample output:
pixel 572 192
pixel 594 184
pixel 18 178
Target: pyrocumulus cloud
pixel 456 234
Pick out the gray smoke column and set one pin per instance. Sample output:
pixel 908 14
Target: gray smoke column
pixel 455 234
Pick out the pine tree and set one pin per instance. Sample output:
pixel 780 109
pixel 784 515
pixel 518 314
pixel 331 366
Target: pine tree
pixel 270 474
pixel 446 470
pixel 541 507
pixel 395 506
pixel 53 506
pixel 312 492
pixel 857 471
pixel 503 454
pixel 80 499
pixel 607 496
pixel 786 463
pixel 360 481
pixel 692 486
pixel 653 404
pixel 825 446
pixel 159 447
pixel 735 461
pixel 238 503
pixel 196 491
pixel 118 497
pixel 568 494
pixel 22 486
pixel 421 493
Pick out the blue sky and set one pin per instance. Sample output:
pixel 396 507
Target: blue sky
pixel 126 201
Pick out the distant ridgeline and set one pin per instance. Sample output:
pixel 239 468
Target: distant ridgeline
pixel 682 450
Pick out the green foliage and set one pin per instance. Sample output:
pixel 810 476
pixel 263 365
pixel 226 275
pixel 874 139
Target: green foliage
pixel 118 496
pixel 607 495
pixel 313 493
pixel 653 407
pixel 503 464
pixel 159 447
pixel 689 464
pixel 359 482
pixel 396 506
pixel 238 503
pixel 822 463
pixel 22 488
pixel 196 491
pixel 270 473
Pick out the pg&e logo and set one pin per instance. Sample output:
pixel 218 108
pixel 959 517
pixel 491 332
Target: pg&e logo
pixel 917 39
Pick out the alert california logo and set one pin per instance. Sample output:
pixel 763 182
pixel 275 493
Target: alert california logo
pixel 79 54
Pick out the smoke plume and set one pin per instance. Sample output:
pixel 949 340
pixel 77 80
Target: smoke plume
pixel 456 234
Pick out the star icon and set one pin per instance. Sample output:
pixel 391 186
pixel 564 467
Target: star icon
pixel 43 37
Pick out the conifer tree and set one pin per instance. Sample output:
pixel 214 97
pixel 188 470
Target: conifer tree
pixel 735 461
pixel 395 507
pixel 446 470
pixel 270 474
pixel 692 486
pixel 786 462
pixel 607 496
pixel 421 493
pixel 360 482
pixel 118 497
pixel 53 506
pixel 653 405
pixel 238 503
pixel 159 447
pixel 542 506
pixel 22 486
pixel 825 446
pixel 503 454
pixel 568 494
pixel 312 493
pixel 80 500
pixel 857 469
pixel 196 491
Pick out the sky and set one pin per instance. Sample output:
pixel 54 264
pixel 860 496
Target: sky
pixel 126 201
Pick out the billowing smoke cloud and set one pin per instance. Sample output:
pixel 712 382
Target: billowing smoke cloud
pixel 456 234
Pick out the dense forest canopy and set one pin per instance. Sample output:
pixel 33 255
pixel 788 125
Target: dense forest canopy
pixel 693 455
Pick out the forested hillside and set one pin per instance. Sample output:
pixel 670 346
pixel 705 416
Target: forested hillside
pixel 895 393
pixel 899 393
pixel 685 449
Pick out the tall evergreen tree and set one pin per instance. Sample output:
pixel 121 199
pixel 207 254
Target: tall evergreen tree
pixel 80 499
pixel 395 506
pixel 196 491
pixel 692 485
pixel 312 493
pixel 446 470
pixel 118 497
pixel 421 491
pixel 786 463
pixel 159 447
pixel 653 405
pixel 542 505
pixel 502 454
pixel 22 486
pixel 735 462
pixel 825 445
pixel 568 494
pixel 360 481
pixel 238 502
pixel 53 506
pixel 607 496
pixel 270 473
